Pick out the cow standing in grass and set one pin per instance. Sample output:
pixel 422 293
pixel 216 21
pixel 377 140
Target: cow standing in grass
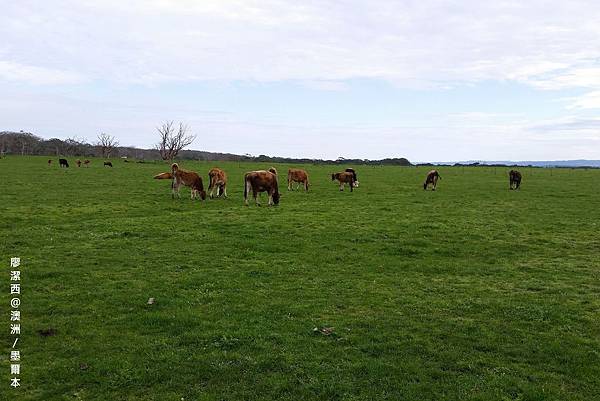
pixel 344 178
pixel 86 163
pixel 218 181
pixel 49 162
pixel 63 163
pixel 108 164
pixel 189 179
pixel 78 162
pixel 432 178
pixel 261 181
pixel 514 179
pixel 299 176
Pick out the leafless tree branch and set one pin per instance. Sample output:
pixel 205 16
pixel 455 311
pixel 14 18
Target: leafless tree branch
pixel 107 143
pixel 172 140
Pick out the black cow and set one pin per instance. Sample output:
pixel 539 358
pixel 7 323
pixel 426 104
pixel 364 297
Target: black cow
pixel 515 179
pixel 63 163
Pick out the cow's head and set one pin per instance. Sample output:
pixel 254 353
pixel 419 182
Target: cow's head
pixel 203 194
pixel 276 197
pixel 332 177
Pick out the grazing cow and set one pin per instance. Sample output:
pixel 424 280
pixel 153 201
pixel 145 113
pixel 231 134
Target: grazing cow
pixel 187 178
pixel 86 163
pixel 299 176
pixel 49 162
pixel 109 164
pixel 351 170
pixel 217 180
pixel 63 163
pixel 515 179
pixel 432 178
pixel 261 181
pixel 78 162
pixel 344 178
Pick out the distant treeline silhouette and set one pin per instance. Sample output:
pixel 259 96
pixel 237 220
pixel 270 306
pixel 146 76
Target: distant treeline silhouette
pixel 26 143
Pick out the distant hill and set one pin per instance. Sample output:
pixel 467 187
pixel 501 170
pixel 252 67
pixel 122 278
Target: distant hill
pixel 26 143
pixel 543 163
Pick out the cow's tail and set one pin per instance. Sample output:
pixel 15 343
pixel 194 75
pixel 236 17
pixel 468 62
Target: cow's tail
pixel 245 186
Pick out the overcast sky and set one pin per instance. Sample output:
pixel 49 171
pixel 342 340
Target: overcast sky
pixel 427 80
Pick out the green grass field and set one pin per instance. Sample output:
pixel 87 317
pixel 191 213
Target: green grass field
pixel 470 292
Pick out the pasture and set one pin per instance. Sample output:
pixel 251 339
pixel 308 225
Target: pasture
pixel 472 292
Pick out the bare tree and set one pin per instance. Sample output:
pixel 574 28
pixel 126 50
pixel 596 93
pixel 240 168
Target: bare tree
pixel 106 143
pixel 172 139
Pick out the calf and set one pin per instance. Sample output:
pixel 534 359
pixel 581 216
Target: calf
pixel 514 179
pixel 78 162
pixel 63 163
pixel 299 176
pixel 218 181
pixel 261 181
pixel 432 178
pixel 86 163
pixel 109 164
pixel 344 178
pixel 189 179
pixel 49 162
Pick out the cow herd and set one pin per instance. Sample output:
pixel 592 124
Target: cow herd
pixel 64 163
pixel 259 181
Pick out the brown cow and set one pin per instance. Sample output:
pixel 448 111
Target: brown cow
pixel 432 178
pixel 49 162
pixel 299 176
pixel 261 181
pixel 86 163
pixel 189 179
pixel 344 178
pixel 515 179
pixel 218 181
pixel 78 162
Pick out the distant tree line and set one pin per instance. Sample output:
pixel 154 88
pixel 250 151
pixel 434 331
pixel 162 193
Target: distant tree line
pixel 172 140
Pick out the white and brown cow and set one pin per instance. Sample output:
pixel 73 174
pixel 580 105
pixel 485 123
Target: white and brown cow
pixel 345 178
pixel 432 178
pixel 261 181
pixel 186 178
pixel 218 181
pixel 298 176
